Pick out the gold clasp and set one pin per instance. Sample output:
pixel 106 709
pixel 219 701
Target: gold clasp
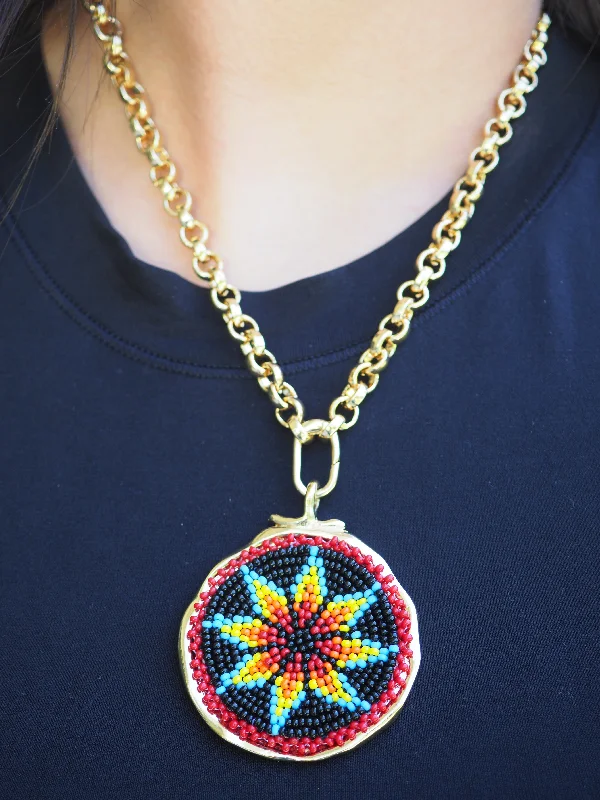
pixel 314 428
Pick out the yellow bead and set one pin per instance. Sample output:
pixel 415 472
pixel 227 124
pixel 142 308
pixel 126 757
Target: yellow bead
pixel 236 679
pixel 312 684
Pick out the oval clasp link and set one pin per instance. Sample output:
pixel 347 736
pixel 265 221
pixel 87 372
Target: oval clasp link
pixel 317 428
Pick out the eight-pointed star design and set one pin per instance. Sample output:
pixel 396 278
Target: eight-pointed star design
pixel 306 651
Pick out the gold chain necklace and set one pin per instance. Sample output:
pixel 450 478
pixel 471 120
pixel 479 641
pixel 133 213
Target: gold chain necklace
pixel 305 644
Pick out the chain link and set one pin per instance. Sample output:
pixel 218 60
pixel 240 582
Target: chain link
pixel 411 295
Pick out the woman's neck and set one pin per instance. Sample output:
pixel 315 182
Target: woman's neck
pixel 308 132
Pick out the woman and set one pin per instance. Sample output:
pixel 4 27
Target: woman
pixel 320 142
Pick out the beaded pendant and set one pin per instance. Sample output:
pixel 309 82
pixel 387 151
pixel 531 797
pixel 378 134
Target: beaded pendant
pixel 301 646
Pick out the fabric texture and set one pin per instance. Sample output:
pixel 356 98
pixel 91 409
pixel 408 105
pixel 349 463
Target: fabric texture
pixel 137 452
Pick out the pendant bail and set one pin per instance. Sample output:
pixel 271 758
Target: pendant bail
pixel 311 502
pixel 316 428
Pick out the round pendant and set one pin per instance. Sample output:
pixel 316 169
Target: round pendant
pixel 301 646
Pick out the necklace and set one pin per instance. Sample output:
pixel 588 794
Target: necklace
pixel 304 644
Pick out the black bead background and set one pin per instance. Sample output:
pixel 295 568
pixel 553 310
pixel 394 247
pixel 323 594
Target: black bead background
pixel 315 717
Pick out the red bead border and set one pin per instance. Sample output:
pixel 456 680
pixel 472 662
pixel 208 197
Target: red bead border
pixel 305 746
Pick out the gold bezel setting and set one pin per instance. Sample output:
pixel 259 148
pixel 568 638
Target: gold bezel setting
pixel 285 534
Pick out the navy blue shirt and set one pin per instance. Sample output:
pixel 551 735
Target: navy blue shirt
pixel 137 452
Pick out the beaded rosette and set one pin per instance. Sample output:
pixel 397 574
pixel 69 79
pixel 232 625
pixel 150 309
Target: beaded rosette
pixel 300 646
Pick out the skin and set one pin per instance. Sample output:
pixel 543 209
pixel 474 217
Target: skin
pixel 309 133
